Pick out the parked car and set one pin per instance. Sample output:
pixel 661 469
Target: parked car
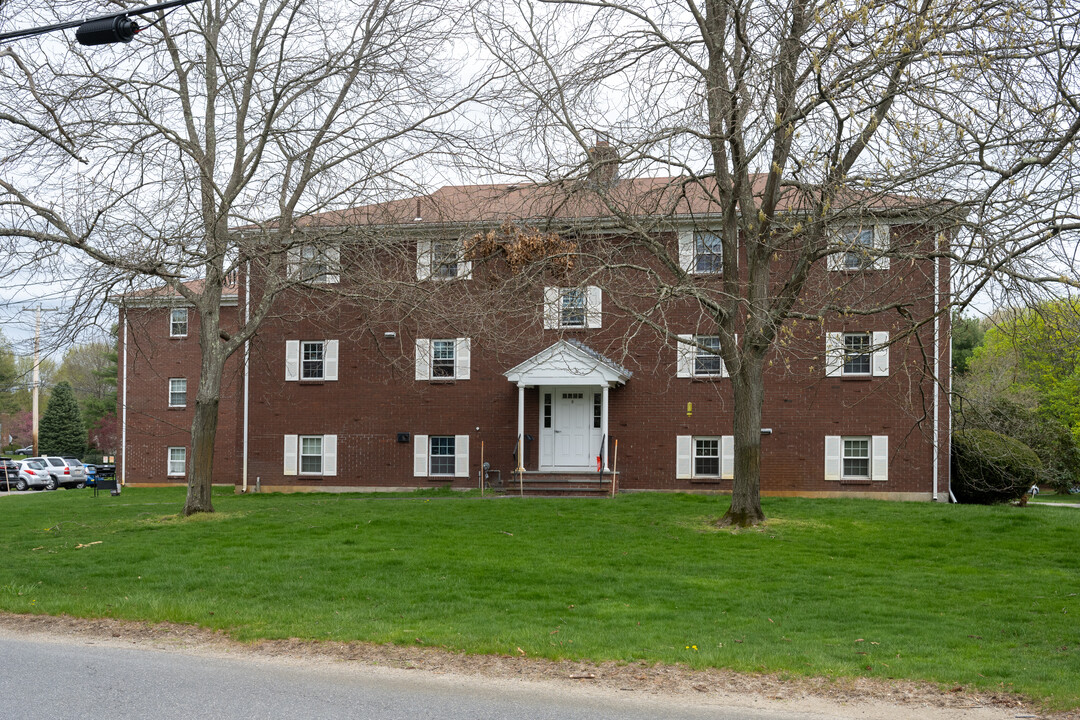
pixel 65 472
pixel 28 450
pixel 32 474
pixel 9 473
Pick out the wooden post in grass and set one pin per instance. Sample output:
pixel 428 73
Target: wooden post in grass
pixel 614 466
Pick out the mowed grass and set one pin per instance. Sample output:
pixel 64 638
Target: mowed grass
pixel 983 597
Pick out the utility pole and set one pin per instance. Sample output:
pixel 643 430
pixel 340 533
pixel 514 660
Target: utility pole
pixel 37 373
pixel 35 381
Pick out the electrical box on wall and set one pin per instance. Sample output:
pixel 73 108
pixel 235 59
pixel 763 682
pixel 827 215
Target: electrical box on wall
pixel 403 437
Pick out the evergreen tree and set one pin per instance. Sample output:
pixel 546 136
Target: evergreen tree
pixel 61 431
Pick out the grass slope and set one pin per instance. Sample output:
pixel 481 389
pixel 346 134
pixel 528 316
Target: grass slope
pixel 983 596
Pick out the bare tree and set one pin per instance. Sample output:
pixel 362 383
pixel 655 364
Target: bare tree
pixel 784 122
pixel 224 116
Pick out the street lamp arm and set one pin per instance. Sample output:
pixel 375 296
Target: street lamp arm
pixel 30 32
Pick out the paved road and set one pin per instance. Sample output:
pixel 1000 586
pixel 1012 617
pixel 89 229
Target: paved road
pixel 60 680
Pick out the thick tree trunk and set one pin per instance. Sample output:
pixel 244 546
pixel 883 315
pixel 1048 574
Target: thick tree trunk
pixel 204 427
pixel 745 508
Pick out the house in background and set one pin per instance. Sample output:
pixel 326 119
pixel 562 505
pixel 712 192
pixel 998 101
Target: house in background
pixel 548 372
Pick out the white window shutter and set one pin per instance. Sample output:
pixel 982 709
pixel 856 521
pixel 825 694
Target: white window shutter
pixel 464 266
pixel 883 244
pixel 463 358
pixel 836 260
pixel 879 451
pixel 684 460
pixel 423 259
pixel 330 360
pixel 290 454
pixel 832 457
pixel 684 360
pixel 292 360
pixel 881 354
pixel 292 261
pixel 420 451
pixel 333 264
pixel 461 456
pixel 834 354
pixel 686 250
pixel 423 358
pixel 593 307
pixel 727 457
pixel 329 454
pixel 552 295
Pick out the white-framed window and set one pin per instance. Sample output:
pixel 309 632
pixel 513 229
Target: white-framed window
pixel 861 248
pixel 440 455
pixel 310 455
pixel 442 458
pixel 177 392
pixel 572 307
pixel 857 354
pixel 443 359
pixel 177 461
pixel 699 356
pixel 442 259
pixel 705 456
pixel 311 360
pixel 701 252
pixel 315 264
pixel 856 458
pixel 178 322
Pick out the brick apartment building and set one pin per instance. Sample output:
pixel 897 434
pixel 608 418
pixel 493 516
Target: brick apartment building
pixel 565 369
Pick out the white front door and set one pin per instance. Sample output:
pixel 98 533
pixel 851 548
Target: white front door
pixel 566 428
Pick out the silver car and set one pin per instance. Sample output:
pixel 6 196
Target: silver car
pixel 32 474
pixel 64 472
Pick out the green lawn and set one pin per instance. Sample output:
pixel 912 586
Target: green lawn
pixel 980 596
pixel 1055 498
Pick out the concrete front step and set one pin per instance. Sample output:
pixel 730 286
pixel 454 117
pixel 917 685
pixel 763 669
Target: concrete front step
pixel 556 484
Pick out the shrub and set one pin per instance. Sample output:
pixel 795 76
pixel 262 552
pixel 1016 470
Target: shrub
pixel 990 468
pixel 1051 440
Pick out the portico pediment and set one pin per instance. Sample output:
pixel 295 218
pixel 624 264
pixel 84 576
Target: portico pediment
pixel 568 362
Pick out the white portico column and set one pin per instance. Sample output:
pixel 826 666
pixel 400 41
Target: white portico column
pixel 521 429
pixel 604 424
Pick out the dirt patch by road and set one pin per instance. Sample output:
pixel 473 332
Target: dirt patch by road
pixel 841 698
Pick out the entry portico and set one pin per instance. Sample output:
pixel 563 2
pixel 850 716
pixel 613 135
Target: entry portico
pixel 573 382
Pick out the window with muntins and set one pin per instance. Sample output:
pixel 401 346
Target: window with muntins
pixel 706 457
pixel 442 455
pixel 178 322
pixel 177 461
pixel 707 360
pixel 442 358
pixel 572 308
pixel 708 252
pixel 597 410
pixel 547 410
pixel 444 258
pixel 311 447
pixel 856 458
pixel 311 361
pixel 177 392
pixel 859 244
pixel 856 353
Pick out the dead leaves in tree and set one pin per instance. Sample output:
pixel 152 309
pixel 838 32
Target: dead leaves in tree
pixel 523 247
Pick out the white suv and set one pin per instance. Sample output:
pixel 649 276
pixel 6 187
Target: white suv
pixel 63 472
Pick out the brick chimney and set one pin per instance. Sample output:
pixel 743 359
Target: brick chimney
pixel 603 164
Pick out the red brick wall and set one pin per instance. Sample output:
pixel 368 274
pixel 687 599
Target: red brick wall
pixel 150 358
pixel 376 397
